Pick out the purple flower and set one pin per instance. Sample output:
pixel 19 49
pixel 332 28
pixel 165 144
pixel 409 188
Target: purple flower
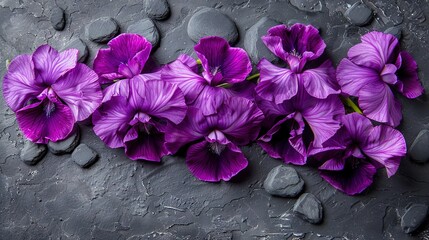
pixel 297 46
pixel 372 68
pixel 49 91
pixel 224 71
pixel 214 153
pixel 297 125
pixel 353 155
pixel 136 118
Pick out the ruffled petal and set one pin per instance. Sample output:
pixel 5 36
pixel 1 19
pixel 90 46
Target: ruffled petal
pixel 358 127
pixel 375 51
pixel 274 41
pixel 409 84
pixel 80 90
pixel 142 146
pixel 19 85
pixel 236 66
pixel 276 84
pixel 320 82
pixel 352 77
pixel 188 61
pixel 208 166
pixel 119 88
pixel 127 46
pixel 45 121
pixel 106 66
pixel 378 103
pixel 111 121
pixel 386 146
pixel 212 52
pixel 51 65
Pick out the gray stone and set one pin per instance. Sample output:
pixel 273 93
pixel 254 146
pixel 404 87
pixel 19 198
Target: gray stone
pixel 419 150
pixel 309 208
pixel 415 215
pixel 65 146
pixel 283 181
pixel 253 43
pixel 79 45
pixel 211 22
pixel 102 30
pixel 359 14
pixel 32 153
pixel 395 31
pixel 307 5
pixel 147 29
pixel 58 20
pixel 84 156
pixel 157 9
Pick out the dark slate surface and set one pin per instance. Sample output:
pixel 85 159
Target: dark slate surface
pixel 122 199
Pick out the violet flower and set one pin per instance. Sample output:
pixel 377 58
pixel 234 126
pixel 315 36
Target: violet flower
pixel 372 68
pixel 49 91
pixel 214 152
pixel 297 125
pixel 137 120
pixel 224 71
pixel 353 155
pixel 296 45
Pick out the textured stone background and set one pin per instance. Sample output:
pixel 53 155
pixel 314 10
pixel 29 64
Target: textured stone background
pixel 120 199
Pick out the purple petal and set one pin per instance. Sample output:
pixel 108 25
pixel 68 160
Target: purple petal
pixel 106 66
pixel 111 121
pixel 375 51
pixel 409 84
pixel 142 146
pixel 386 146
pixel 356 176
pixel 352 77
pixel 158 98
pixel 334 164
pixel 126 46
pixel 320 82
pixel 276 84
pixel 80 90
pixel 188 61
pixel 208 166
pixel 358 127
pixel 378 103
pixel 19 85
pixel 119 88
pixel 51 65
pixel 45 121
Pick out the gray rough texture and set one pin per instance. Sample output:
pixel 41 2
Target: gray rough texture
pixel 283 181
pixel 419 150
pixel 414 216
pixel 395 31
pixel 32 153
pixel 102 29
pixel 147 29
pixel 84 156
pixel 157 9
pixel 359 14
pixel 309 208
pixel 122 199
pixel 253 43
pixel 80 46
pixel 65 146
pixel 58 20
pixel 307 5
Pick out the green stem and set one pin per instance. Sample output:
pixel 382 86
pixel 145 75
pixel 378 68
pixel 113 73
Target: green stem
pixel 256 75
pixel 351 104
pixel 7 63
pixel 199 61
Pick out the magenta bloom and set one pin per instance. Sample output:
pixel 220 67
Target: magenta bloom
pixel 372 68
pixel 49 91
pixel 296 45
pixel 299 124
pixel 137 120
pixel 214 153
pixel 357 150
pixel 224 72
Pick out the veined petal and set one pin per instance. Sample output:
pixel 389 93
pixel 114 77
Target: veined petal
pixel 386 146
pixel 352 77
pixel 45 121
pixel 142 146
pixel 212 52
pixel 19 85
pixel 127 46
pixel 106 66
pixel 378 103
pixel 80 90
pixel 188 61
pixel 276 84
pixel 51 65
pixel 409 84
pixel 320 82
pixel 358 127
pixel 208 166
pixel 119 88
pixel 236 66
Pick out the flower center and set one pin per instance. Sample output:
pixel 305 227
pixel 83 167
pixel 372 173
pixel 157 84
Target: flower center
pixel 49 108
pixel 295 53
pixel 216 148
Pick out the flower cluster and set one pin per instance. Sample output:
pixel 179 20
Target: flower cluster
pixel 209 108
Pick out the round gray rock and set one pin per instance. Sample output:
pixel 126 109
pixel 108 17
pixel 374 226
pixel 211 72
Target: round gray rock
pixel 283 181
pixel 147 29
pixel 307 5
pixel 57 18
pixel 309 208
pixel 210 22
pixel 65 146
pixel 102 30
pixel 359 14
pixel 253 43
pixel 415 215
pixel 84 156
pixel 32 153
pixel 419 150
pixel 80 46
pixel 157 9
